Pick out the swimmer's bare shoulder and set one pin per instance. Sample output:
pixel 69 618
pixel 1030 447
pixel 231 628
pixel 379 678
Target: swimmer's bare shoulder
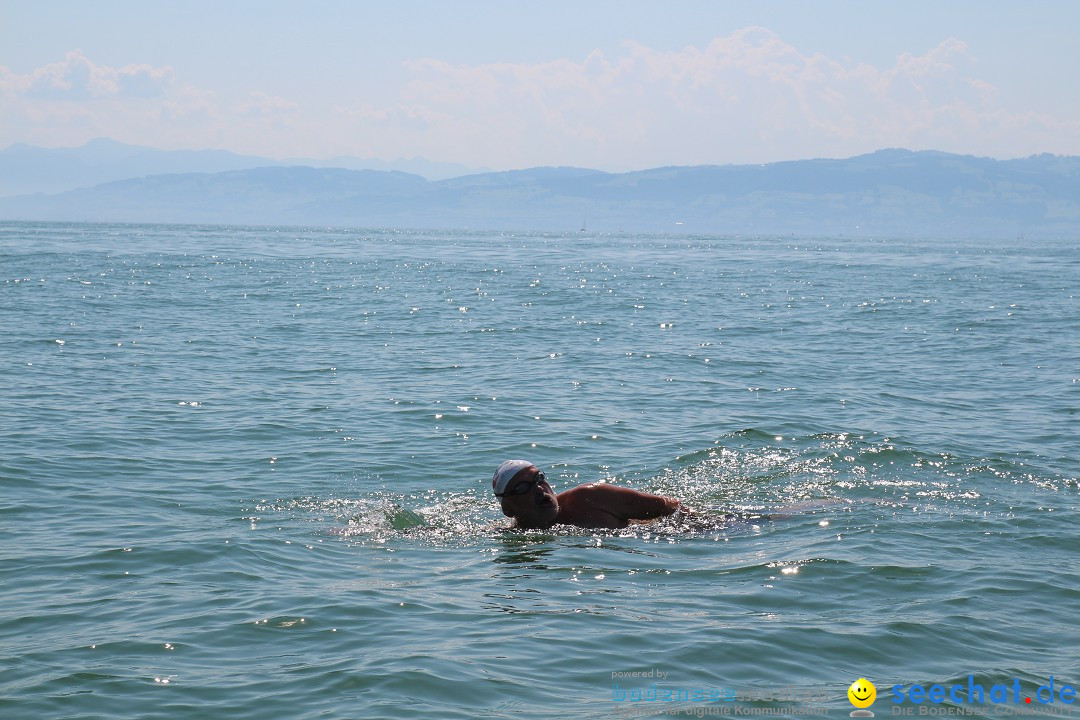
pixel 609 506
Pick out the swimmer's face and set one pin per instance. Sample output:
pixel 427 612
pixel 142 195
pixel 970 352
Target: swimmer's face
pixel 530 500
pixel 862 693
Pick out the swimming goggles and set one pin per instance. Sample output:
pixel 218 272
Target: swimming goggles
pixel 524 486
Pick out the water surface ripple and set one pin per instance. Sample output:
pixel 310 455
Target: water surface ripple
pixel 245 470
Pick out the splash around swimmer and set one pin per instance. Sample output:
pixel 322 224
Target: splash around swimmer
pixel 527 498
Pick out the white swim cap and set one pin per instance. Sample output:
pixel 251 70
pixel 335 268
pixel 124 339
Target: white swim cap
pixel 505 473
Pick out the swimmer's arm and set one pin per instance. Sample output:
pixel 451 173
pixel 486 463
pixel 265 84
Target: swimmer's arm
pixel 631 504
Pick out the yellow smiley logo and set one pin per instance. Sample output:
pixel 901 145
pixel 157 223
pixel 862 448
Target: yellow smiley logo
pixel 862 693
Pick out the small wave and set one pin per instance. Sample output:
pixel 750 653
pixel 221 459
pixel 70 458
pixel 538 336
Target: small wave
pixel 752 468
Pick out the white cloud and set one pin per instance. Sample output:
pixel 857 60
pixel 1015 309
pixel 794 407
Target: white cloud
pixel 261 104
pixel 76 99
pixel 745 97
pixel 190 101
pixel 76 77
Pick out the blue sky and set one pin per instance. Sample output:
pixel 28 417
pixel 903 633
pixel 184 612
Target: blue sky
pixel 611 85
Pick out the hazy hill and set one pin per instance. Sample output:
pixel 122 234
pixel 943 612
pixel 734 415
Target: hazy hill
pixel 25 169
pixel 890 192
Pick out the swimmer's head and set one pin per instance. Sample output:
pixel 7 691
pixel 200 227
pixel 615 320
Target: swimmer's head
pixel 505 473
pixel 525 495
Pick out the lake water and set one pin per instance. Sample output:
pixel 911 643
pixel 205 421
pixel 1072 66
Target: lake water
pixel 245 472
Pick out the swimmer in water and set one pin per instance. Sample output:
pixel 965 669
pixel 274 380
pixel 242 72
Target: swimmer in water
pixel 527 498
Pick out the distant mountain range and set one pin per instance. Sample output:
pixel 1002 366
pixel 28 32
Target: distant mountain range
pixel 886 193
pixel 25 169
